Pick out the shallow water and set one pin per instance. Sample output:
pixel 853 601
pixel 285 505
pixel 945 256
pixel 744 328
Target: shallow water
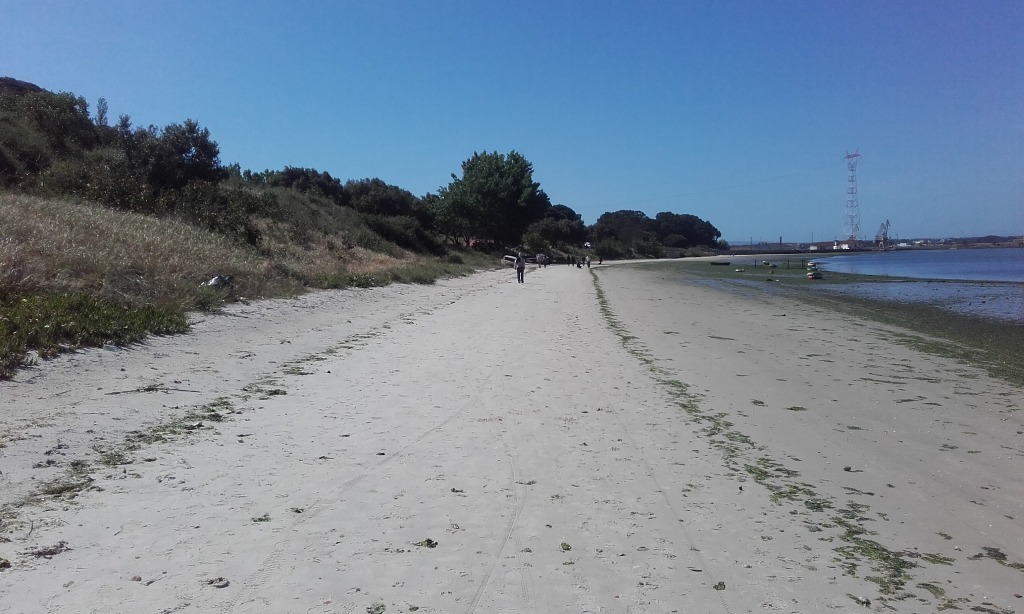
pixel 993 300
pixel 996 264
pixel 1001 301
pixel 979 282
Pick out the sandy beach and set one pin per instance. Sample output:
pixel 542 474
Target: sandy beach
pixel 598 440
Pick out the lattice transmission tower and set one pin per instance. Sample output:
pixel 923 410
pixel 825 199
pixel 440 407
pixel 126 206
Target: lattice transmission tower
pixel 852 220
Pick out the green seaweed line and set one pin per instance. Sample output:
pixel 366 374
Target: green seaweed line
pixel 891 565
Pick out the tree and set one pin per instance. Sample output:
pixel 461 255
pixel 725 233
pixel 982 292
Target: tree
pixel 308 181
pixel 675 241
pixel 562 212
pixel 375 197
pixel 691 228
pixel 495 199
pixel 625 226
pixel 182 153
pixel 551 232
pixel 453 214
pixel 101 112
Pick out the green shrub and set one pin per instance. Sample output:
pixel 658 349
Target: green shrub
pixel 230 212
pixel 55 323
pixel 65 177
pixel 372 241
pixel 649 249
pixel 405 232
pixel 610 249
pixel 23 151
pixel 116 182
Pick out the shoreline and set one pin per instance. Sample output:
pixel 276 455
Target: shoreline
pixel 977 339
pixel 874 406
pixel 591 440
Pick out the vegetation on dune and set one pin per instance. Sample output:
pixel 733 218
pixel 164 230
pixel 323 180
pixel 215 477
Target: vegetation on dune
pixel 77 274
pixel 108 230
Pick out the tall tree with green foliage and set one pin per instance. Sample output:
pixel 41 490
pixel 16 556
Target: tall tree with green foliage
pixel 454 215
pixel 560 227
pixel 495 199
pixel 101 112
pixel 624 226
pixel 685 230
pixel 183 153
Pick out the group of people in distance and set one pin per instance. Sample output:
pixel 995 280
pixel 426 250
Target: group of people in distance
pixel 520 264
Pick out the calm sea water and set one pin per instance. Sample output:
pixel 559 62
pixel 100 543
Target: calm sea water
pixel 999 264
pixel 980 282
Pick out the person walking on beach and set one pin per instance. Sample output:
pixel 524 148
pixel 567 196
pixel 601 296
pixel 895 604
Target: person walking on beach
pixel 520 267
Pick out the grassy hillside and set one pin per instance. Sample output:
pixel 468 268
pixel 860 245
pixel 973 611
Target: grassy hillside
pixel 74 273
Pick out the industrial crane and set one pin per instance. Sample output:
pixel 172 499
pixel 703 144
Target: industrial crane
pixel 882 238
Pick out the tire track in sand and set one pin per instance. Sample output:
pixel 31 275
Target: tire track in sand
pixel 272 562
pixel 510 534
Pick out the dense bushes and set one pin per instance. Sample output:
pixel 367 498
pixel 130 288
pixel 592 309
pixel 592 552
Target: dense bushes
pixel 227 211
pixel 49 145
pixel 405 232
pixel 23 151
pixel 610 249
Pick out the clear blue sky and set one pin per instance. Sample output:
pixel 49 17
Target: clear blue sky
pixel 739 112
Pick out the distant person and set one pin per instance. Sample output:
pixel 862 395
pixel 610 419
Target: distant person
pixel 520 265
pixel 600 260
pixel 588 262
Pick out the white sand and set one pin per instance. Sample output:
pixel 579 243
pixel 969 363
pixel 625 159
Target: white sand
pixel 502 420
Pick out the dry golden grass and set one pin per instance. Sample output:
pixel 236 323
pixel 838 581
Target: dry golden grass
pixel 374 263
pixel 65 246
pixel 74 273
pixel 333 260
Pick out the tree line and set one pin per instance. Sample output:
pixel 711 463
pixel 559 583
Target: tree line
pixel 51 144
